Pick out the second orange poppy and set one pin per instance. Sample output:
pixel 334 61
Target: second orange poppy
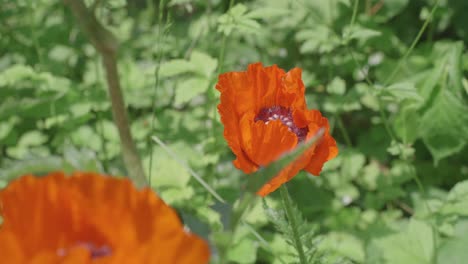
pixel 265 115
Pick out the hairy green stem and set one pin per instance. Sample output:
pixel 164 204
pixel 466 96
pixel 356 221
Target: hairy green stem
pixel 106 44
pixel 287 206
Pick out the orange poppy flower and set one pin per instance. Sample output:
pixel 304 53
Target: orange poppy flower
pixel 265 115
pixel 91 218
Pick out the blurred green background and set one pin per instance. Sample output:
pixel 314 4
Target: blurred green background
pixel 391 77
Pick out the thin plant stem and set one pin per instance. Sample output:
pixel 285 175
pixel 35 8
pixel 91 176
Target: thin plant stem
pixel 188 169
pixel 355 9
pixel 106 44
pixel 413 45
pixel 34 31
pixel 383 116
pixel 343 130
pixel 223 45
pixel 100 127
pixel 287 206
pixel 221 55
pixel 156 84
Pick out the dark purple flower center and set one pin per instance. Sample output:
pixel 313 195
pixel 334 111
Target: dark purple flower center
pixel 284 115
pixel 94 251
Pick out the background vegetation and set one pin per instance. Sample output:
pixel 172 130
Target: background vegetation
pixel 390 75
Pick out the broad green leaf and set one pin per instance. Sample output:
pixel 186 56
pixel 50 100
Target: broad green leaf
pixel 86 136
pixel 244 251
pixel 190 88
pixel 360 33
pixel 415 244
pixel 203 64
pixel 337 86
pixel 165 171
pixel 175 67
pixel 237 18
pixel 81 160
pixel 32 138
pixel 390 9
pixel 400 91
pixel 444 127
pixel 453 251
pixel 345 245
pixel 457 200
pixel 406 123
pixel 177 195
pixel 267 12
pixel 352 163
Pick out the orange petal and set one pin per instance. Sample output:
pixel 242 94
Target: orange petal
pixel 54 213
pixel 10 249
pixel 232 132
pixel 264 143
pixel 292 90
pixel 288 172
pixel 326 150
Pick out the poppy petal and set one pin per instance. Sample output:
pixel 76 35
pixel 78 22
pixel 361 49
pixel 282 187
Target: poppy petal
pixel 325 151
pixel 292 91
pixel 231 120
pixel 264 143
pixel 60 219
pixel 288 172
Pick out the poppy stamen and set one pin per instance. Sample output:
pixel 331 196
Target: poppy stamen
pixel 284 115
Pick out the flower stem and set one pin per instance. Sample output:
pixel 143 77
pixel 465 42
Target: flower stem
pixel 287 205
pixel 106 45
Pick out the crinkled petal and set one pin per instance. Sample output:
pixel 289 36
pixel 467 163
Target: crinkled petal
pixel 264 143
pixel 288 172
pixel 232 134
pixel 326 150
pixel 292 90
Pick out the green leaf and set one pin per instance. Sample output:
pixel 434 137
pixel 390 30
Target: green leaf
pixel 444 127
pixel 413 245
pixel 166 172
pixel 337 86
pixel 344 244
pixel 453 251
pixel 457 200
pixel 238 19
pixel 352 163
pixel 175 67
pixel 400 91
pixel 203 64
pixel 189 89
pixel 267 12
pixel 244 250
pixel 360 33
pixel 407 122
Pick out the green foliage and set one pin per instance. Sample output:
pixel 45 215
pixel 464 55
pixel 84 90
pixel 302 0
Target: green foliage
pixel 396 193
pixel 307 236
